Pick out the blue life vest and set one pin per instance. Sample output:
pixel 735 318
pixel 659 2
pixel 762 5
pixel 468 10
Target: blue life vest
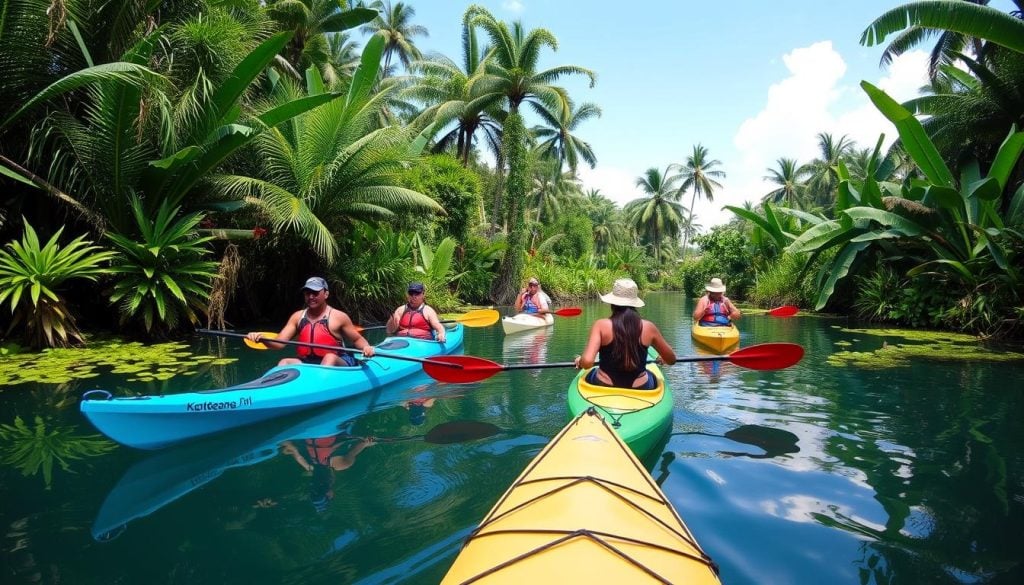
pixel 716 316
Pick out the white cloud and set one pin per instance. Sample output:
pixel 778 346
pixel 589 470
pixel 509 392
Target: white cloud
pixel 512 6
pixel 814 98
pixel 616 184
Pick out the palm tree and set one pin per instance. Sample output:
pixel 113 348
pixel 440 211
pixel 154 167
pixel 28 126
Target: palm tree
pixel 394 23
pixel 512 79
pixel 447 89
pixel 699 174
pixel 660 213
pixel 692 228
pixel 312 21
pixel 969 116
pixel 789 178
pixel 326 170
pixel 824 170
pixel 557 140
pixel 959 25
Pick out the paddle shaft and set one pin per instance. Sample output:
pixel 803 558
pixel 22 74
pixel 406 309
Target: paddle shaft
pixel 383 326
pixel 331 347
pixel 702 358
pixel 768 356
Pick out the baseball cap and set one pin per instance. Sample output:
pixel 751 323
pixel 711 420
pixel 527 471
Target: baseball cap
pixel 416 287
pixel 315 283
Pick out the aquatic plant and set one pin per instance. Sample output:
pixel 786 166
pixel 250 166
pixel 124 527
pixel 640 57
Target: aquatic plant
pixel 36 449
pixel 145 363
pixel 939 346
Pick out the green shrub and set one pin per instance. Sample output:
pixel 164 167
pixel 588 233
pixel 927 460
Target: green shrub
pixel 783 283
pixel 164 277
pixel 31 277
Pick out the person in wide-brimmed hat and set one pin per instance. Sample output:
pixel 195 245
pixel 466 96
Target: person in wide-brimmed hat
pixel 622 340
pixel 714 309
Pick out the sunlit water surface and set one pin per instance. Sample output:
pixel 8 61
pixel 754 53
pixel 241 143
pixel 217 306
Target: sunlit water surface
pixel 815 474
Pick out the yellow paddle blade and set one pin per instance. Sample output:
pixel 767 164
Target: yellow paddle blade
pixel 257 344
pixel 479 318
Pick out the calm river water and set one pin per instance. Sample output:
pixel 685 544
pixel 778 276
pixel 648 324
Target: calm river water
pixel 817 474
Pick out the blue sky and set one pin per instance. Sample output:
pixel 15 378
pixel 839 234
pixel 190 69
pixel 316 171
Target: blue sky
pixel 751 80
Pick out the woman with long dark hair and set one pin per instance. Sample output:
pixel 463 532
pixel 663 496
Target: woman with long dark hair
pixel 621 342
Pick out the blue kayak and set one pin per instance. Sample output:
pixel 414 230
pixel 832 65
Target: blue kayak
pixel 153 422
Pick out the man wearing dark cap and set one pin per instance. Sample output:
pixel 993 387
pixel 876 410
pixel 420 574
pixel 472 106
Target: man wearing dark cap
pixel 321 324
pixel 416 318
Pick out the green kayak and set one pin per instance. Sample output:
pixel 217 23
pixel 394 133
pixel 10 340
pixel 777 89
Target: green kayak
pixel 640 417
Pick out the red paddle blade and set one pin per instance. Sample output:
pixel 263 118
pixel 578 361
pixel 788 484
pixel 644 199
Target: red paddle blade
pixel 568 312
pixel 784 311
pixel 471 368
pixel 768 356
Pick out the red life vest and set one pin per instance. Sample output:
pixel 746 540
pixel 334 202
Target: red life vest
pixel 321 450
pixel 416 325
pixel 316 332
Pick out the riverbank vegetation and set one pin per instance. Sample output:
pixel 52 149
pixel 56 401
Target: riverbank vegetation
pixel 178 164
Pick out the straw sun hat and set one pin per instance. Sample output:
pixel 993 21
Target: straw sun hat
pixel 624 294
pixel 715 285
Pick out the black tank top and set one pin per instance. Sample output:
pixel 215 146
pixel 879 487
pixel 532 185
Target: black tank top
pixel 622 378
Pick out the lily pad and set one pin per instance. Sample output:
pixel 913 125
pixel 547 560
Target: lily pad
pixel 144 362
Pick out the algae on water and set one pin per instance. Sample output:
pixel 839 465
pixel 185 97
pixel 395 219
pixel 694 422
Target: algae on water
pixel 928 345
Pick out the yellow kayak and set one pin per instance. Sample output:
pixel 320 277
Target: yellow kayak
pixel 584 511
pixel 718 339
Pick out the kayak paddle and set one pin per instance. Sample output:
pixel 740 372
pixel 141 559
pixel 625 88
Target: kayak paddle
pixel 475 318
pixel 784 311
pixel 568 312
pixel 765 356
pixel 257 345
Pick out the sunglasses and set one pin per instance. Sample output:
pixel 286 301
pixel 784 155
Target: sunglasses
pixel 415 292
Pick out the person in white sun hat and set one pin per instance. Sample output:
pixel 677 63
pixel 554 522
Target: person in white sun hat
pixel 714 309
pixel 621 342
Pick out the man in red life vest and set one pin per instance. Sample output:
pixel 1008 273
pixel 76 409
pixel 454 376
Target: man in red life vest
pixel 415 318
pixel 715 309
pixel 321 324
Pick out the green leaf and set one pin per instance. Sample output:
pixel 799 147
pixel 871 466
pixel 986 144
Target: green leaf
pixel 417 145
pixel 365 76
pixel 246 71
pixel 987 189
pixel 817 236
pixel 943 197
pixel 177 159
pixel 11 173
pixel 966 18
pixel 296 107
pixel 1006 158
pixel 340 21
pixel 839 269
pixel 129 73
pixel 915 139
pixel 887 218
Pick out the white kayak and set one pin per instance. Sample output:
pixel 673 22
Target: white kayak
pixel 525 322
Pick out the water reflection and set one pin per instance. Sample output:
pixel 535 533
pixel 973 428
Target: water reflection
pixel 320 441
pixel 529 347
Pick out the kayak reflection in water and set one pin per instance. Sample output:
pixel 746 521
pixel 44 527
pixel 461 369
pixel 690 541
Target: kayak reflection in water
pixel 322 457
